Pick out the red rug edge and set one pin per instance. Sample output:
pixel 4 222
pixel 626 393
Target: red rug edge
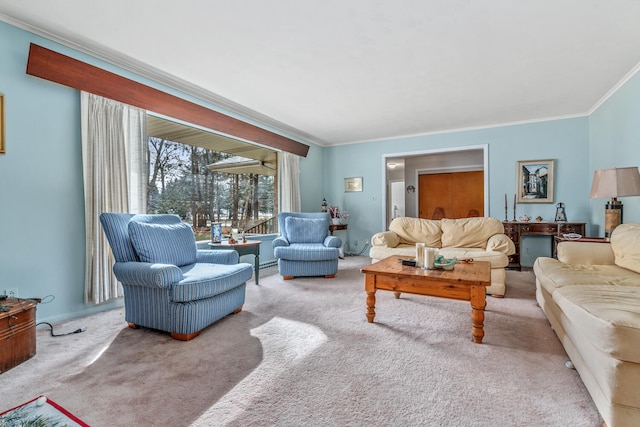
pixel 55 405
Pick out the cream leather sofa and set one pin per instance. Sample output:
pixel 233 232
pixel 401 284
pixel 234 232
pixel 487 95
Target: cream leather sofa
pixel 481 238
pixel 591 296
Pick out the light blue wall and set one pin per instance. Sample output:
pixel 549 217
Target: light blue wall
pixel 42 214
pixel 615 142
pixel 42 239
pixel 567 141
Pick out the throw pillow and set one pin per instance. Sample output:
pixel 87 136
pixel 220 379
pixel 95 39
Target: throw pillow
pixel 469 232
pixel 417 230
pixel 163 243
pixel 306 230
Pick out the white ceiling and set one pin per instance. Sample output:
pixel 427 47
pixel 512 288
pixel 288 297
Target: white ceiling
pixel 342 71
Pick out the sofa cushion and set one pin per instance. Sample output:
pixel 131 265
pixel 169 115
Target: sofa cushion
pixel 469 232
pixel 305 230
pixel 625 242
pixel 306 252
pixel 163 243
pixel 576 252
pixel 204 280
pixel 385 238
pixel 414 230
pixel 609 317
pixel 552 274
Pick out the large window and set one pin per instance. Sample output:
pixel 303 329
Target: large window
pixel 203 185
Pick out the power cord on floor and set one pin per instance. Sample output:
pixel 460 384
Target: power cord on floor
pixel 348 252
pixel 77 331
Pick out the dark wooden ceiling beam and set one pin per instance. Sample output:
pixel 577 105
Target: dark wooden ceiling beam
pixel 62 69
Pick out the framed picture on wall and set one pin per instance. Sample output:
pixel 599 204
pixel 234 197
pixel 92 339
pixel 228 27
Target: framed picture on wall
pixel 352 184
pixel 534 181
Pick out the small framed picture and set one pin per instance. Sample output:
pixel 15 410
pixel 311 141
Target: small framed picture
pixel 352 184
pixel 534 182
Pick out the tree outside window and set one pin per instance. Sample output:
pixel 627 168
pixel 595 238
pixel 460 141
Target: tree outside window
pixel 179 182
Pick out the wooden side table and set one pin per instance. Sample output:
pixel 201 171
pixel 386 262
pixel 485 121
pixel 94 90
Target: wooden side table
pixel 334 227
pixel 17 332
pixel 243 248
pixel 558 239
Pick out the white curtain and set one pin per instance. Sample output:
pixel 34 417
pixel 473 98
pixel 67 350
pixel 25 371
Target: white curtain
pixel 289 182
pixel 114 169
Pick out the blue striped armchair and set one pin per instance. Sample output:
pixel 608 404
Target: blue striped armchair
pixel 168 283
pixel 304 247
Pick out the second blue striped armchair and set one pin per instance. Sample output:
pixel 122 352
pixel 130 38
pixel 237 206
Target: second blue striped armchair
pixel 304 247
pixel 168 283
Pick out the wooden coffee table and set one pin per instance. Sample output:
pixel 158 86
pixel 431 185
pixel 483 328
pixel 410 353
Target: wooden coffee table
pixel 465 282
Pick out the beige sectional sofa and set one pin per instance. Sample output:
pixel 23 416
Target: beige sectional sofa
pixel 481 238
pixel 591 296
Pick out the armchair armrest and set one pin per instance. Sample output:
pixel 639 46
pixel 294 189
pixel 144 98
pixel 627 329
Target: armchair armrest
pixel 279 241
pixel 501 243
pixel 217 257
pixel 385 238
pixel 147 274
pixel 589 253
pixel 332 242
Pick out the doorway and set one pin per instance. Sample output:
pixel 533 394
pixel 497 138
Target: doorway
pixel 407 167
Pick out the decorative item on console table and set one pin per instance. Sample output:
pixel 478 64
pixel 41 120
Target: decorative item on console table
pixel 516 230
pixel 334 212
pixel 561 215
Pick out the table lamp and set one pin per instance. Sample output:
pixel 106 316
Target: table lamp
pixel 614 183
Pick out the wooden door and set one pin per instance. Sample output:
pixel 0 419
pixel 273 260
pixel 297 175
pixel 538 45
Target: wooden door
pixel 451 195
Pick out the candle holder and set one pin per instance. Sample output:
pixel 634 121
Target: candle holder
pixel 506 209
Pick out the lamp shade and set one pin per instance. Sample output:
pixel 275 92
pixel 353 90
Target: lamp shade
pixel 617 182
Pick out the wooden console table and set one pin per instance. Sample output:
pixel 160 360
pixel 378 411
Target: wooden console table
pixel 516 230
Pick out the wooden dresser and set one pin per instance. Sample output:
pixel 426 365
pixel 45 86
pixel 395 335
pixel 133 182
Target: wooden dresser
pixel 516 230
pixel 17 332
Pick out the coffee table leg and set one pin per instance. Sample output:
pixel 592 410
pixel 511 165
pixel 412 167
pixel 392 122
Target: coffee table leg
pixel 478 303
pixel 371 304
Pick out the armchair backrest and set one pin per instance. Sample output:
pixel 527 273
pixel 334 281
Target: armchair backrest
pixel 317 233
pixel 116 228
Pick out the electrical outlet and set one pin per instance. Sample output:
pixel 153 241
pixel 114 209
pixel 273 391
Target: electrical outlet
pixel 11 293
pixel 355 243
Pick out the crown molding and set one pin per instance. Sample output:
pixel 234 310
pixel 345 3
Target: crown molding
pixel 614 89
pixel 470 128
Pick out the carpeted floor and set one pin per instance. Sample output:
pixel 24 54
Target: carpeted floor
pixel 302 353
